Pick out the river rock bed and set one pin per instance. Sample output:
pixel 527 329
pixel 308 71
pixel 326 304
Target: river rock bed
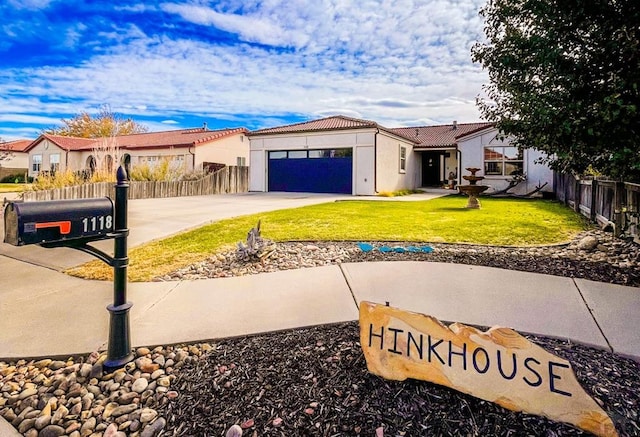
pixel 592 254
pixel 77 397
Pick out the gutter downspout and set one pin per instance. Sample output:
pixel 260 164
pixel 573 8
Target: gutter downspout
pixel 193 159
pixel 459 175
pixel 375 161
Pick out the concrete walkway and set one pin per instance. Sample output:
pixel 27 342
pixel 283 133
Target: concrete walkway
pixel 46 313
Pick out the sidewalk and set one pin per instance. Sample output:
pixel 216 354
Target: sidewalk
pixel 61 315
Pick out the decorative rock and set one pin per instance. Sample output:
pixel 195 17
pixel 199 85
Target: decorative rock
pixel 28 392
pixel 123 409
pixel 108 410
pixel 146 365
pixel 56 365
pixel 85 370
pixel 139 385
pixel 52 431
pixel 164 381
pixel 111 431
pixel 154 428
pixel 43 363
pixel 147 415
pixel 568 402
pixel 42 421
pixel 142 351
pixel 26 425
pixel 160 360
pixel 60 414
pixel 235 431
pixel 87 427
pixel 127 398
pixel 588 243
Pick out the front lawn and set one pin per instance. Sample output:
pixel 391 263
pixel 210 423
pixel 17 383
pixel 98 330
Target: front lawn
pixel 502 222
pixel 10 188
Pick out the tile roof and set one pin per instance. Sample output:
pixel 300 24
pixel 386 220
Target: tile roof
pixel 424 136
pixel 16 145
pixel 174 138
pixel 66 143
pixel 439 136
pixel 336 122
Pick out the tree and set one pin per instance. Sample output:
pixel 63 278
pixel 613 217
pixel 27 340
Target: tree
pixel 105 124
pixel 6 151
pixel 564 79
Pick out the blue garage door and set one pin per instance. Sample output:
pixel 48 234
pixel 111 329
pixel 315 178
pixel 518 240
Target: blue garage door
pixel 311 171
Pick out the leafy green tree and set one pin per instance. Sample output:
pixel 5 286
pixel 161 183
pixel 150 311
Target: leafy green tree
pixel 105 124
pixel 564 79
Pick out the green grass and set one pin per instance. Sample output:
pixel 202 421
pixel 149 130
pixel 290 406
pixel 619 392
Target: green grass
pixel 10 188
pixel 502 222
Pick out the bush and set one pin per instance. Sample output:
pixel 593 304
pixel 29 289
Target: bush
pixel 163 171
pixel 17 178
pixel 48 181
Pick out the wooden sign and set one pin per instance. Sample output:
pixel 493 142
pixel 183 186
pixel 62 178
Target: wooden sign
pixel 498 365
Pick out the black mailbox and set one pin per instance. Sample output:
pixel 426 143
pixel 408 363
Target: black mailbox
pixel 58 221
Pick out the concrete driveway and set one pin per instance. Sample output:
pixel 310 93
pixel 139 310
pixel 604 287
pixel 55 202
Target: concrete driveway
pixel 152 219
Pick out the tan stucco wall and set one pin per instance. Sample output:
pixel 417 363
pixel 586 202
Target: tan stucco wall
pixel 46 148
pixel 223 151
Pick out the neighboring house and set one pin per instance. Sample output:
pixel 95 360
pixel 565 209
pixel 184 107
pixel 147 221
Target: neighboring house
pixel 13 158
pixel 345 155
pixel 196 149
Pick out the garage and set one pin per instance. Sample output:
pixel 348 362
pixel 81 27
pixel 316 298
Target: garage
pixel 311 171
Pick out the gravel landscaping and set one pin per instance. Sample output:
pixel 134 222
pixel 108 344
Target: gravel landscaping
pixel 313 381
pixel 593 255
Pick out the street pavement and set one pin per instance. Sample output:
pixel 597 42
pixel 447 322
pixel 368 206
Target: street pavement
pixel 45 313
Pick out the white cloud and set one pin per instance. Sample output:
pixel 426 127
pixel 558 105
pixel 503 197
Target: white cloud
pixel 30 4
pixel 393 63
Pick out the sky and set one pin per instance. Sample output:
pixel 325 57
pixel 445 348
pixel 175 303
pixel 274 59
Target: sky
pixel 231 63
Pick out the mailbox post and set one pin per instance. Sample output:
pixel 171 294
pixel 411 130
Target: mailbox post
pixel 74 224
pixel 119 346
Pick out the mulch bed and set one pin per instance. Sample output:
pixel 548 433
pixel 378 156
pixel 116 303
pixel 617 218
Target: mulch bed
pixel 314 382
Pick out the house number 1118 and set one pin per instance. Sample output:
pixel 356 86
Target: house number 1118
pixel 100 223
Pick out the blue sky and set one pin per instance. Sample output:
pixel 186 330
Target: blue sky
pixel 177 64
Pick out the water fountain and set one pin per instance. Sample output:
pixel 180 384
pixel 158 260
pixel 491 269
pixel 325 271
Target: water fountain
pixel 472 190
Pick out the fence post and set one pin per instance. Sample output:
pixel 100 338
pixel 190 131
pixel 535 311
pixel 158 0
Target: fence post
pixel 594 196
pixel 618 203
pixel 576 194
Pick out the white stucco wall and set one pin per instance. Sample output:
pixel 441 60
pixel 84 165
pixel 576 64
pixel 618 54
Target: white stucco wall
pixel 388 174
pixel 472 155
pixel 361 141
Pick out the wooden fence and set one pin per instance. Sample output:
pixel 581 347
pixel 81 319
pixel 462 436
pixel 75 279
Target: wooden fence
pixel 227 180
pixel 602 201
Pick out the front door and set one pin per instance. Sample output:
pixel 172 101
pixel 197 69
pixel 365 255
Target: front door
pixel 431 169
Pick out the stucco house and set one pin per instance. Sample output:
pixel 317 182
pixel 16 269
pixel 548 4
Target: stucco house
pixel 196 149
pixel 340 154
pixel 13 158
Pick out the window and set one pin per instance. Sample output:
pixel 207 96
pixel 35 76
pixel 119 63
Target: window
pixel 36 163
pixel 297 154
pixel 241 161
pixel 403 159
pixel 503 161
pixel 54 162
pixel 277 155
